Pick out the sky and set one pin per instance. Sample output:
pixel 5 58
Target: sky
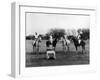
pixel 41 23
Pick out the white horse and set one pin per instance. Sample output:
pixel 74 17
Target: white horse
pixel 65 43
pixel 36 43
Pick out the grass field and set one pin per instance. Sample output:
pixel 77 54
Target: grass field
pixel 71 57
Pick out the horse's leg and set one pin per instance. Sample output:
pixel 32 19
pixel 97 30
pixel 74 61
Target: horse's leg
pixel 63 45
pixel 54 48
pixel 76 48
pixel 64 48
pixel 68 47
pixel 33 47
pixel 83 49
pixel 38 47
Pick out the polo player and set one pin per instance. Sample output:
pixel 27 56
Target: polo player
pixel 51 39
pixel 79 36
pixel 36 36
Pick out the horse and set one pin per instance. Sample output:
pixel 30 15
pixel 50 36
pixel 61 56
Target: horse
pixel 53 43
pixel 65 43
pixel 78 44
pixel 36 43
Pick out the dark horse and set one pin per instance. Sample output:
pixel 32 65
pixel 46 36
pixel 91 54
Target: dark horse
pixel 48 43
pixel 77 44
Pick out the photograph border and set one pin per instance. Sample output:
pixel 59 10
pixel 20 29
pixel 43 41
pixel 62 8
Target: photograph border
pixel 16 54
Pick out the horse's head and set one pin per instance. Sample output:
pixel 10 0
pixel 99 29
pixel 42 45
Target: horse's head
pixel 73 38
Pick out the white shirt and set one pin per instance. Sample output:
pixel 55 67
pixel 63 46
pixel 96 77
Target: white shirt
pixel 36 36
pixel 51 39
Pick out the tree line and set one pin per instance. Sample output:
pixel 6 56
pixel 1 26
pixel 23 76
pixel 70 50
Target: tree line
pixel 58 33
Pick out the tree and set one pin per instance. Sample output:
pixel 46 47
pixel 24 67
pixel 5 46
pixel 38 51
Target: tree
pixel 74 32
pixel 30 37
pixel 86 33
pixel 56 33
pixel 45 37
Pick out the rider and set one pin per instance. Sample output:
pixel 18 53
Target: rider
pixel 36 37
pixel 51 38
pixel 79 36
pixel 51 41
